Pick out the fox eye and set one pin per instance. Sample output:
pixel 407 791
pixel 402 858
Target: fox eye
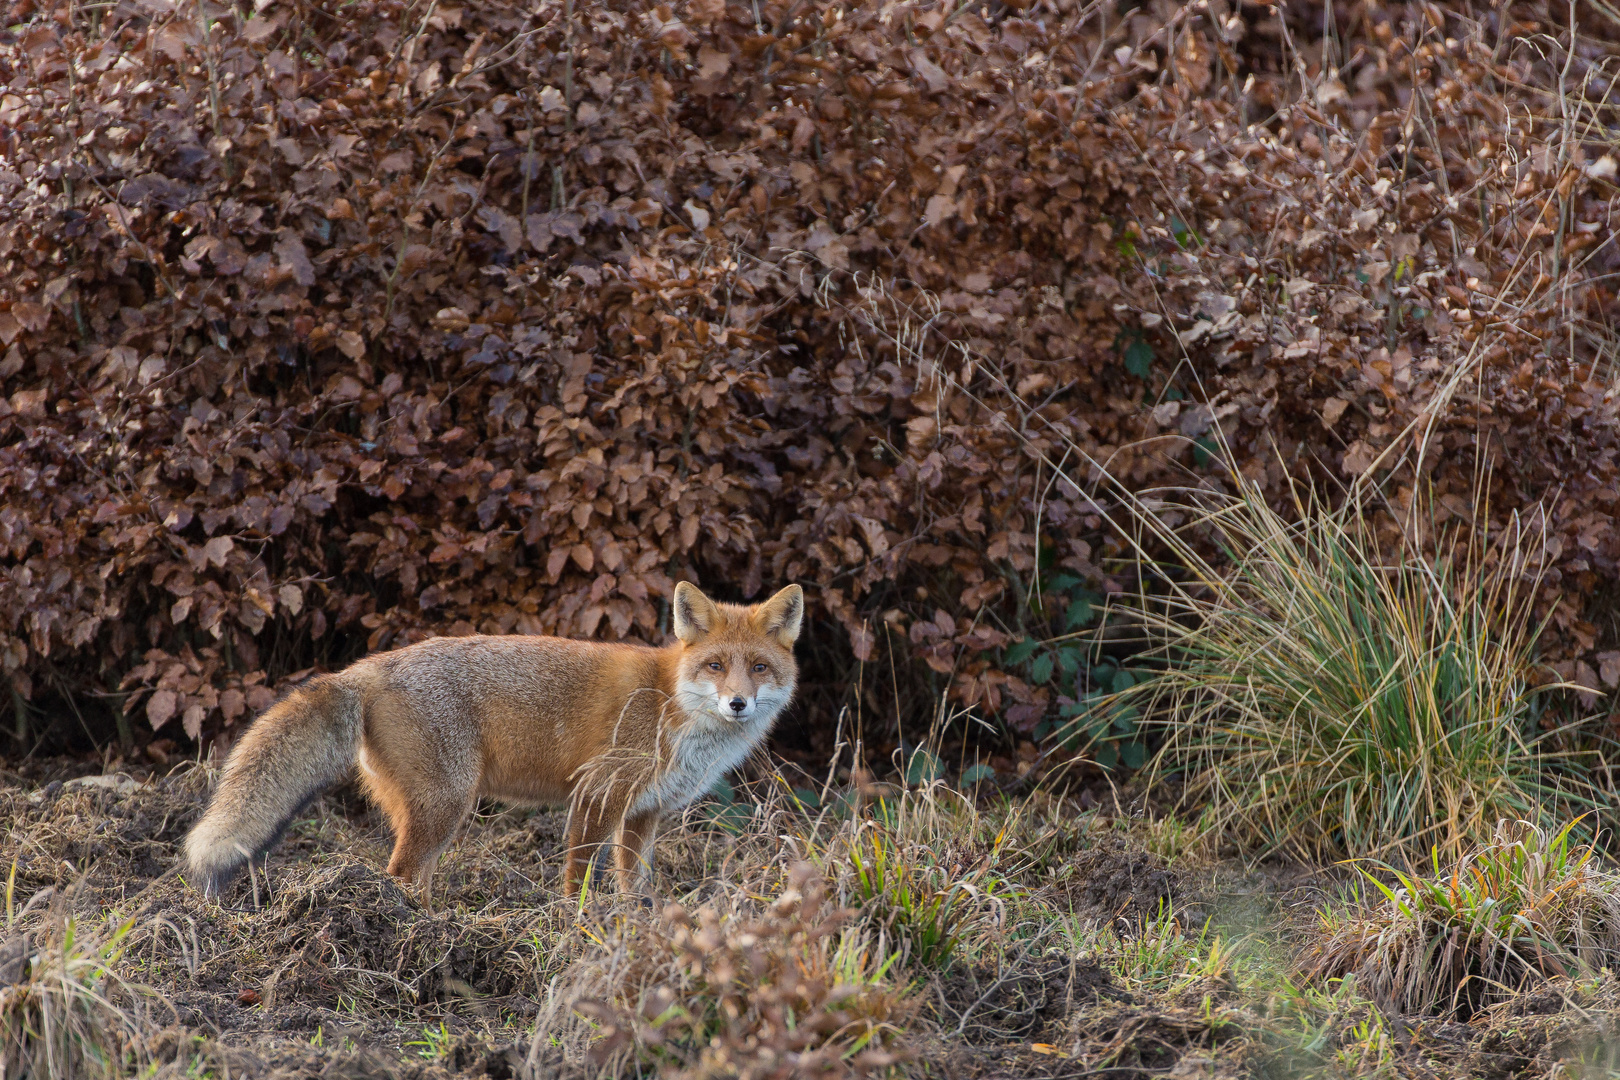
pixel 759 667
pixel 715 665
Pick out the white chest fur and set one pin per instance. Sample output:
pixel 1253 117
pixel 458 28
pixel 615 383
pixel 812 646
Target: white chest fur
pixel 701 755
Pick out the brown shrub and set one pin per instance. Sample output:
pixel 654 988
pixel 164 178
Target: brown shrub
pixel 322 334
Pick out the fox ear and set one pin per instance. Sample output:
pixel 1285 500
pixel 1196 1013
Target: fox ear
pixel 694 613
pixel 782 614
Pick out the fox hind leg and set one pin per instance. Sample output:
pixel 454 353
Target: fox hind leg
pixel 421 837
pixel 424 808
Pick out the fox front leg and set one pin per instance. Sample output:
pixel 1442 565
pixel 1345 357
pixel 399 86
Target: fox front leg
pixel 633 853
pixel 590 825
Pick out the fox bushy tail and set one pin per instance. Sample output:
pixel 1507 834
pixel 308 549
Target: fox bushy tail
pixel 297 748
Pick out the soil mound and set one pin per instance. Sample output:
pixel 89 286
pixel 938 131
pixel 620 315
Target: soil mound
pixel 97 835
pixel 1123 886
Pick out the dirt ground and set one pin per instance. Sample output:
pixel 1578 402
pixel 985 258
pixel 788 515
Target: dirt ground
pixel 321 965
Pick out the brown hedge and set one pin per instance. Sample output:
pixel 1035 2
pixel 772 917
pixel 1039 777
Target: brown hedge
pixel 331 324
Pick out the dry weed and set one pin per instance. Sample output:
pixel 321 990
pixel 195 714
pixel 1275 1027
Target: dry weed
pixel 791 989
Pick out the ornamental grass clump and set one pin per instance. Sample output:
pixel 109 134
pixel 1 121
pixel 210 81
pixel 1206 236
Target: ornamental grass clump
pixel 1328 691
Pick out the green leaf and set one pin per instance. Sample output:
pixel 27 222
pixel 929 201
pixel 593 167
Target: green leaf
pixel 975 773
pixel 1133 754
pixel 1041 670
pixel 1079 613
pixel 1019 651
pixel 723 791
pixel 1204 449
pixel 923 767
pixel 810 800
pixel 1108 755
pixel 1123 680
pixel 1125 718
pixel 1139 358
pixel 1069 658
pixel 1062 583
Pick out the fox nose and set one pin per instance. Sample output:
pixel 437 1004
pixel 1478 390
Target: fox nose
pixel 738 705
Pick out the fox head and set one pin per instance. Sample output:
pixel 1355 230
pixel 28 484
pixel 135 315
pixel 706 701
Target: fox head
pixel 736 662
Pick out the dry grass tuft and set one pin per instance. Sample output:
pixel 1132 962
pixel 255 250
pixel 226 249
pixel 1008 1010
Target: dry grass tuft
pixel 1527 908
pixel 925 870
pixel 792 989
pixel 64 1009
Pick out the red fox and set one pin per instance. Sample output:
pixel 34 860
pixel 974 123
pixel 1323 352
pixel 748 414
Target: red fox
pixel 620 733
